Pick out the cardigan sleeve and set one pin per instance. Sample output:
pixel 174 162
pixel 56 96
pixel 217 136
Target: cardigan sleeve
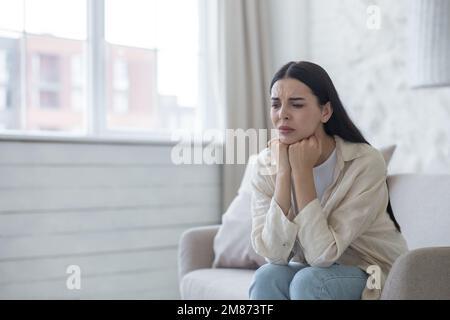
pixel 364 196
pixel 273 235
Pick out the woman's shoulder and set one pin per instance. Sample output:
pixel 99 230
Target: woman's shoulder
pixel 370 159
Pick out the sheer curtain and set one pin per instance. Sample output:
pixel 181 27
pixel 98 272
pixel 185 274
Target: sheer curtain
pixel 238 72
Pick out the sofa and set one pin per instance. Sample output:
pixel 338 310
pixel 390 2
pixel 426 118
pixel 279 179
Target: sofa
pixel 421 205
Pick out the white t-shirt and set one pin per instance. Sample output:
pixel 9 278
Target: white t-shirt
pixel 323 177
pixel 323 174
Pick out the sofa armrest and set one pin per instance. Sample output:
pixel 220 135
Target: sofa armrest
pixel 419 274
pixel 195 249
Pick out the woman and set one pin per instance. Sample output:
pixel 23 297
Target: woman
pixel 323 219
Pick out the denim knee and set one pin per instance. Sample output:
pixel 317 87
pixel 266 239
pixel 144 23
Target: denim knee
pixel 335 282
pixel 307 284
pixel 271 281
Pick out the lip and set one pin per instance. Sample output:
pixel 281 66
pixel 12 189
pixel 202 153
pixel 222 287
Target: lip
pixel 285 130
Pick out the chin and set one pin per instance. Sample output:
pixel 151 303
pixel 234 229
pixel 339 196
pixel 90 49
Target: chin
pixel 288 140
pixel 292 139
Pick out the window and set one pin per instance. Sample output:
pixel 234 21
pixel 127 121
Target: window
pixel 5 94
pixel 78 77
pixel 38 38
pixel 142 78
pixel 153 53
pixel 46 81
pixel 121 84
pixel 9 80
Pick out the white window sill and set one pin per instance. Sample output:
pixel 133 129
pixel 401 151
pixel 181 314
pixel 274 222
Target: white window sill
pixel 150 139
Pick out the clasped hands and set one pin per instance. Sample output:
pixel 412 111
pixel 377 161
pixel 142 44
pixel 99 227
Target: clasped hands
pixel 296 157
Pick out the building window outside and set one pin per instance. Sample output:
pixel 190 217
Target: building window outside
pixel 46 77
pixel 121 84
pixel 5 102
pixel 77 73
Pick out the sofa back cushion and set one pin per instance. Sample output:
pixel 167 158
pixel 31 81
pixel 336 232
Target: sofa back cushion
pixel 421 206
pixel 232 244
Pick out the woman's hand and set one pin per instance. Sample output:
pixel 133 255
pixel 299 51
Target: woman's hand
pixel 304 154
pixel 280 155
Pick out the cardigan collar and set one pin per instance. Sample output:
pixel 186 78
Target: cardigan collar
pixel 348 150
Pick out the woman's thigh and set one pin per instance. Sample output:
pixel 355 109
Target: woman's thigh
pixel 334 282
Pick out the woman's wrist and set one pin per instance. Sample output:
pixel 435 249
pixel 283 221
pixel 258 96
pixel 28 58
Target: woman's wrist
pixel 304 186
pixel 284 171
pixel 301 170
pixel 282 191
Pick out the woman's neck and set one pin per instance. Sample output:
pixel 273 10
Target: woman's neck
pixel 328 145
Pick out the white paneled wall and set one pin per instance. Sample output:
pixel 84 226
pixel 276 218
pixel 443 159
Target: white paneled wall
pixel 116 210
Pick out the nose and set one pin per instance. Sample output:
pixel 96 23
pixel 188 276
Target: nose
pixel 284 112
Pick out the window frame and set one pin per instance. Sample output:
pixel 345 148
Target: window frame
pixel 95 97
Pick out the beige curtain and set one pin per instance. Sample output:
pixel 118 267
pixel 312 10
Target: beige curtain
pixel 244 48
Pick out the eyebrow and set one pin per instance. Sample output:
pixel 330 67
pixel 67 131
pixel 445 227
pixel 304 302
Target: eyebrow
pixel 293 98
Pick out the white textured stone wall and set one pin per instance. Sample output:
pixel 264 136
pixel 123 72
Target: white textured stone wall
pixel 370 70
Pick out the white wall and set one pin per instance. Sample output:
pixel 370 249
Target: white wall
pixel 288 31
pixel 370 71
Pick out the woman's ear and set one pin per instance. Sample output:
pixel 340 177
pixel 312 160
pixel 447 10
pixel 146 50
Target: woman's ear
pixel 327 111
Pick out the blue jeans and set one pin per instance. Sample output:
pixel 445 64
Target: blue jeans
pixel 296 281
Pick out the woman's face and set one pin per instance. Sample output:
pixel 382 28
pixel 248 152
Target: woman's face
pixel 294 105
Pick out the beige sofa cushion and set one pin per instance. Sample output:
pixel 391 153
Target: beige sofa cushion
pixel 216 284
pixel 232 244
pixel 421 206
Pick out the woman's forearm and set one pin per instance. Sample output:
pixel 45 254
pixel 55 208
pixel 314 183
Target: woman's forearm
pixel 305 190
pixel 283 190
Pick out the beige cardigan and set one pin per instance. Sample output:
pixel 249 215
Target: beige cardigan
pixel 350 226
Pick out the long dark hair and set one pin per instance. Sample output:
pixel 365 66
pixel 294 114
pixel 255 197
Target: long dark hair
pixel 340 124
